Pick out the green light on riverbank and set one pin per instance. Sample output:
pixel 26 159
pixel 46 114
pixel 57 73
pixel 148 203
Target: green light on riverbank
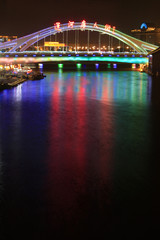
pixel 60 65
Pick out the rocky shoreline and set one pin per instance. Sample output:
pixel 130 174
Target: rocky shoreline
pixel 9 81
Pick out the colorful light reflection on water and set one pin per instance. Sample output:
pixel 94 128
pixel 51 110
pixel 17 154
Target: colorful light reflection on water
pixel 75 154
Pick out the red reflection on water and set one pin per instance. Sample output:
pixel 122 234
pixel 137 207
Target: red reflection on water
pixel 66 160
pixel 80 142
pixel 106 130
pixel 80 148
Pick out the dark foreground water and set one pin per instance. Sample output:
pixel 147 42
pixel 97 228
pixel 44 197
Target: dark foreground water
pixel 79 157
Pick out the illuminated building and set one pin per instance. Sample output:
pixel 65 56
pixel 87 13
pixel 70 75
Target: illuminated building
pixel 54 46
pixel 147 32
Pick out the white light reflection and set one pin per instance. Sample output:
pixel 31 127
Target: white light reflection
pixel 18 93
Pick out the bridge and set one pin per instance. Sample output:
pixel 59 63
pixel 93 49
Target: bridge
pixel 18 50
pixel 47 56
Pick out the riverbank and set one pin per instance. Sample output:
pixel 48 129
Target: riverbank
pixel 11 80
pixel 9 83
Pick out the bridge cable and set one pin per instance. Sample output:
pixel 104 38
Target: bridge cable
pixel 78 38
pixel 55 38
pixel 37 42
pixel 75 40
pixel 66 40
pixel 63 41
pixel 50 40
pixel 109 47
pixel 99 42
pixel 88 42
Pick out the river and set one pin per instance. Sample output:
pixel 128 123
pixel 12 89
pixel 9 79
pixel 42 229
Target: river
pixel 79 156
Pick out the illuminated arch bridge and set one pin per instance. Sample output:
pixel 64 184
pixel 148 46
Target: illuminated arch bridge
pixel 23 43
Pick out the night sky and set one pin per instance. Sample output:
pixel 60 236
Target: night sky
pixel 24 17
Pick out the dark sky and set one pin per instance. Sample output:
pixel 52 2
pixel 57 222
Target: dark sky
pixel 24 17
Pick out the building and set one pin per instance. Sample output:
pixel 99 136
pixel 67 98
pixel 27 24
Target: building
pixel 147 32
pixel 154 62
pixel 54 46
pixel 7 38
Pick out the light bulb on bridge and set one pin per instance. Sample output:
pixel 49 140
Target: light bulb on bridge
pixel 83 24
pixel 70 24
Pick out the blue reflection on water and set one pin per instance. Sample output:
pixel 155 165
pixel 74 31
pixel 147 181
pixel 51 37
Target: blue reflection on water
pixel 75 151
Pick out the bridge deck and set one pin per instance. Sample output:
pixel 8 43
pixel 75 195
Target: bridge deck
pixel 47 56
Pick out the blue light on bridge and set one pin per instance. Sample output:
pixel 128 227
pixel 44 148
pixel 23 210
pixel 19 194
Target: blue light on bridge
pixel 125 55
pixel 133 55
pixel 16 55
pixel 69 55
pixel 43 55
pixel 7 56
pixel 52 55
pixel 25 55
pixel 114 65
pixel 118 55
pixel 77 55
pixel 93 55
pixel 101 55
pixel 85 55
pixel 34 55
pixel 60 55
pixel 110 55
pixel 97 66
pixel 40 65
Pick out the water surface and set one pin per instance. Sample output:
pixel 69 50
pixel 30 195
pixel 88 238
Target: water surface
pixel 78 156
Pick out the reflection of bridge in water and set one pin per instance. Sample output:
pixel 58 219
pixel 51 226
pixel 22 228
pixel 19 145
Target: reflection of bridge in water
pixel 18 50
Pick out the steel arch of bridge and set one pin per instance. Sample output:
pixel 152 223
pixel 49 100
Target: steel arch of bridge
pixel 27 41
